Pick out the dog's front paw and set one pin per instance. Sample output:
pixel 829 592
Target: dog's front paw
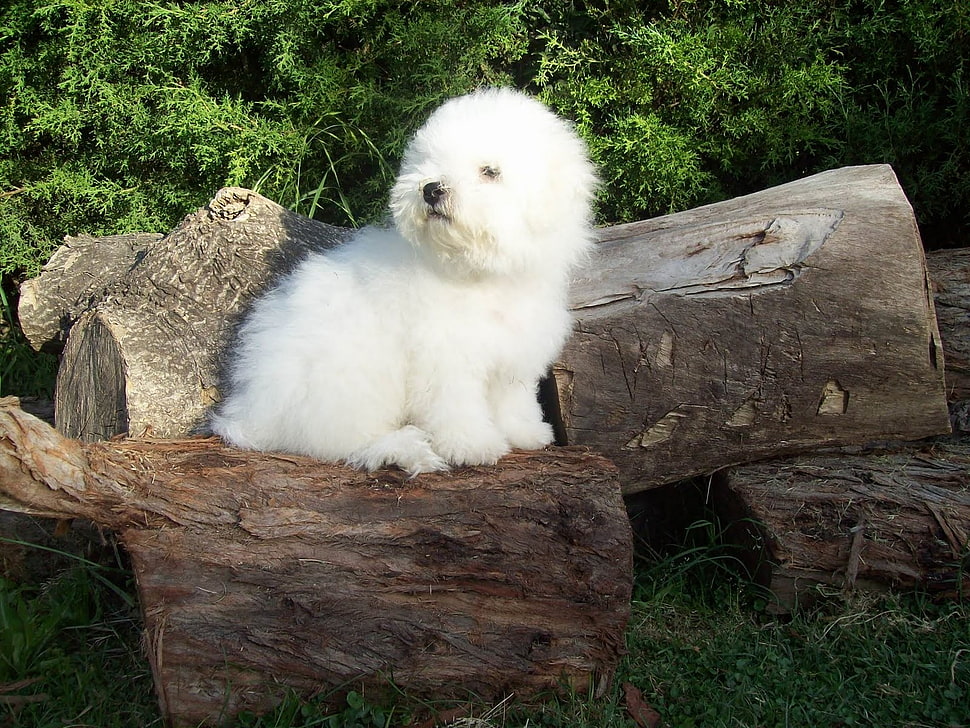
pixel 409 448
pixel 483 447
pixel 528 434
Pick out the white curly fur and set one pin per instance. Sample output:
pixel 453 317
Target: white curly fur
pixel 422 345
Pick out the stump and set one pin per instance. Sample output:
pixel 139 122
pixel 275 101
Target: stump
pixel 776 323
pixel 145 317
pixel 262 573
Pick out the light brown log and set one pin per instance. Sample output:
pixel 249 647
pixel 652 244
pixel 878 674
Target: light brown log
pixel 781 322
pixel 891 520
pixel 791 319
pixel 261 573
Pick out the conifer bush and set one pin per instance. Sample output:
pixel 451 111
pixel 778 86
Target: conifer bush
pixel 124 115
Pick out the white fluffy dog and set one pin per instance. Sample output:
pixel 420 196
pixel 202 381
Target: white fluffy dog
pixel 422 346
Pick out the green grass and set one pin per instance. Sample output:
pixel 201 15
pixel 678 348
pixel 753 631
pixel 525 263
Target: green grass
pixel 70 652
pixel 701 648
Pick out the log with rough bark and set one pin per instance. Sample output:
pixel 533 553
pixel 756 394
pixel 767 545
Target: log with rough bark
pixel 893 520
pixel 262 573
pixel 774 323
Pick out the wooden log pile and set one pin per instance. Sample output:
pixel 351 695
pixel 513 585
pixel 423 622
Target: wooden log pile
pixel 898 516
pixel 793 321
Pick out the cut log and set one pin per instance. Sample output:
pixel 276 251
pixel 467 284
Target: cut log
pixel 899 520
pixel 148 317
pixel 780 322
pixel 262 573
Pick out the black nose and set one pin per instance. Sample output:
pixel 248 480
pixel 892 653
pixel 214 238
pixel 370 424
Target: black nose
pixel 433 191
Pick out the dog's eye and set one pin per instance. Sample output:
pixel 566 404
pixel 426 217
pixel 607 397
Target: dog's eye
pixel 489 172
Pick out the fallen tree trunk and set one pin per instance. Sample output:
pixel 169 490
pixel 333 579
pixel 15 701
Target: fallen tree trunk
pixel 258 573
pixel 788 320
pixel 780 322
pixel 898 519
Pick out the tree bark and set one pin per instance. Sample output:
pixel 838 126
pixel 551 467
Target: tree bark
pixel 788 320
pixel 794 318
pixel 258 573
pixel 899 520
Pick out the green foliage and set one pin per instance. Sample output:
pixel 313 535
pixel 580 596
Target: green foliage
pixel 691 102
pixel 358 712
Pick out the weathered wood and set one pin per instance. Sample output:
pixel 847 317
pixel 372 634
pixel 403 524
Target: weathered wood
pixel 950 273
pixel 257 573
pixel 775 323
pixel 147 317
pixel 81 273
pixel 771 324
pixel 897 519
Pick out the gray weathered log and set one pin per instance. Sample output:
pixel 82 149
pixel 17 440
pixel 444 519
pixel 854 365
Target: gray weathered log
pixel 791 319
pixel 143 337
pixel 258 573
pixel 890 520
pixel 794 318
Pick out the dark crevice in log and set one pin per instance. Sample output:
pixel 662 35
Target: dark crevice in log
pixel 100 368
pixel 551 410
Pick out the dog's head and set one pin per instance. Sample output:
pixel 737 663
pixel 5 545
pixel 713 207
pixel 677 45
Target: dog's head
pixel 496 183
